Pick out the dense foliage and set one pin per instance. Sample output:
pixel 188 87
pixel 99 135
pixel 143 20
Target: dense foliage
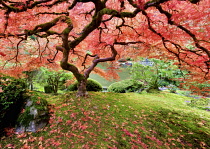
pixel 52 80
pixel 12 98
pixel 126 86
pixel 92 85
pixel 81 34
pixel 158 74
pixel 30 78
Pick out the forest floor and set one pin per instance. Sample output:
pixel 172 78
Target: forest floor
pixel 118 121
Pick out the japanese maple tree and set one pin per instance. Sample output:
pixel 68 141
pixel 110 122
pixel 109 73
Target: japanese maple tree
pixel 82 33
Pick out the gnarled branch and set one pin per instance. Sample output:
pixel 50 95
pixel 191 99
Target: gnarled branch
pixel 98 60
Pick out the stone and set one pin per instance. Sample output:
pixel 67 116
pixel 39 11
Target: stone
pixel 39 121
pixel 29 103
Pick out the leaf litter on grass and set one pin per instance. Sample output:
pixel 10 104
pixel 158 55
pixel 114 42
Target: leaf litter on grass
pixel 114 121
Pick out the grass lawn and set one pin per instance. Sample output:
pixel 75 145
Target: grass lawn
pixel 118 121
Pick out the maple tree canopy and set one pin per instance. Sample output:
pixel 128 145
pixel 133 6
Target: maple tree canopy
pixel 82 33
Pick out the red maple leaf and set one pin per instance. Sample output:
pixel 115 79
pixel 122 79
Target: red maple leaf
pixel 2 54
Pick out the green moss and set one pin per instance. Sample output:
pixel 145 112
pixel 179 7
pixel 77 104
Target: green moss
pixel 25 117
pixel 127 14
pixel 15 9
pixel 80 77
pixel 51 32
pixel 68 21
pixel 66 31
pixel 115 13
pixel 73 69
pixel 108 11
pixel 38 103
pixel 65 65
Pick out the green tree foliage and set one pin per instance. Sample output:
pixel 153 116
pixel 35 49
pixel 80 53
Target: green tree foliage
pixel 168 73
pixel 30 78
pixel 159 74
pixel 92 85
pixel 52 80
pixel 12 98
pixel 125 86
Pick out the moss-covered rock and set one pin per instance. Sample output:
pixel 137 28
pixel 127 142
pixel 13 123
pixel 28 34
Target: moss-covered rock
pixel 35 114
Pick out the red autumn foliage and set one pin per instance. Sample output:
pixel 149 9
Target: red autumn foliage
pixel 82 34
pixel 2 54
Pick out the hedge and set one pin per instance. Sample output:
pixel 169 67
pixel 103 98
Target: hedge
pixel 125 86
pixel 92 85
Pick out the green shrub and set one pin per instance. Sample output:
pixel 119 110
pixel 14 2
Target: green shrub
pixel 48 89
pixel 92 85
pixel 201 103
pixel 172 88
pixel 158 74
pixel 73 87
pixel 125 86
pixel 12 98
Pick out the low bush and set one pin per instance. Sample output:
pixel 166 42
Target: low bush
pixel 125 86
pixel 12 98
pixel 200 103
pixel 92 85
pixel 48 89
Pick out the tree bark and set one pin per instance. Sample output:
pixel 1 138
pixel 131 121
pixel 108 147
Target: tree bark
pixel 82 90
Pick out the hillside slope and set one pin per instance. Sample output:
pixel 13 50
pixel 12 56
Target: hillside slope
pixel 110 120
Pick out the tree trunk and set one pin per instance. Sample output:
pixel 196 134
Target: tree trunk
pixel 82 91
pixel 31 85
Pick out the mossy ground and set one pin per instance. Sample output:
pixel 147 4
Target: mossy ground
pixel 112 120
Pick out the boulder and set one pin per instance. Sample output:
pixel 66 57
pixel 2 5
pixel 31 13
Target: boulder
pixel 33 118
